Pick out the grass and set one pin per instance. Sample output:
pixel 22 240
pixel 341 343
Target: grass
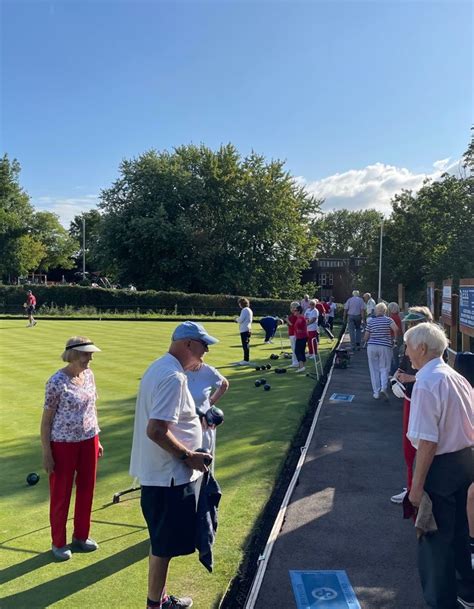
pixel 250 450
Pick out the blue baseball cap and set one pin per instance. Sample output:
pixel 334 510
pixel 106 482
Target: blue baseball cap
pixel 193 331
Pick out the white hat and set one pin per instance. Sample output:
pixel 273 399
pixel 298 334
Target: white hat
pixel 88 347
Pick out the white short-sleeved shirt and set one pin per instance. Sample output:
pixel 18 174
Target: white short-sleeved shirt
pixel 245 319
pixel 312 316
pixel 164 395
pixel 201 384
pixel 442 408
pixel 370 306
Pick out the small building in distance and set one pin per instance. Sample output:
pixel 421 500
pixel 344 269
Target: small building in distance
pixel 336 276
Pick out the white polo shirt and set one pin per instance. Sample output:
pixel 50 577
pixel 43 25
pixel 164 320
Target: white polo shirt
pixel 312 319
pixel 442 408
pixel 164 395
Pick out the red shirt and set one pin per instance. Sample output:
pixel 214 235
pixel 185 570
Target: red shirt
pixel 321 309
pixel 31 300
pixel 291 329
pixel 327 307
pixel 397 320
pixel 300 327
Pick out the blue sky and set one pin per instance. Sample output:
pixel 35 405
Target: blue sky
pixel 360 98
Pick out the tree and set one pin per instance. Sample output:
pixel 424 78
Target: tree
pixel 345 233
pixel 19 252
pixel 205 221
pixel 59 246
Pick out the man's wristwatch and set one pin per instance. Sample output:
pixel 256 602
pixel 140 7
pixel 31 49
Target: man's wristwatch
pixel 185 455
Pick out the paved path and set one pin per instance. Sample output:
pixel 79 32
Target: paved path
pixel 340 515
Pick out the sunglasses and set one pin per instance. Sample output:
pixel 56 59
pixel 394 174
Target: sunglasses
pixel 201 342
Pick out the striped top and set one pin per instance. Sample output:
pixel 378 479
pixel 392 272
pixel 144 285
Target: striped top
pixel 379 330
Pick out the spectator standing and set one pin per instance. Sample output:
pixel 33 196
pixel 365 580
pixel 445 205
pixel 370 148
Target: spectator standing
pixel 290 321
pixel 378 337
pixel 369 305
pixel 206 385
pixel 406 375
pixel 332 313
pixel 30 308
pixel 301 334
pixel 245 328
pixel 305 303
pixel 441 429
pixel 354 310
pixel 394 313
pixel 71 446
pixel 269 325
pixel 312 315
pixel 167 434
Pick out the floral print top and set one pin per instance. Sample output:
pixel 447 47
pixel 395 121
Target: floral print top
pixel 76 416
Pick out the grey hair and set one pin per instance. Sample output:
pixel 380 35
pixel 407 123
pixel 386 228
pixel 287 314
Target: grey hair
pixel 428 334
pixel 393 307
pixel 380 309
pixel 355 292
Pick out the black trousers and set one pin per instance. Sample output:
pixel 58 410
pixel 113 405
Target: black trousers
pixel 245 339
pixel 300 347
pixel 446 551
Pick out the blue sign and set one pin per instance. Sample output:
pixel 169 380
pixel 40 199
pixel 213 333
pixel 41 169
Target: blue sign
pixel 323 590
pixel 466 306
pixel 341 397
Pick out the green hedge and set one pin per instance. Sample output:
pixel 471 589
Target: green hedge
pixel 173 303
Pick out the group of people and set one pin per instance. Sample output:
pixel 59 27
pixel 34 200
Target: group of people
pixel 173 446
pixel 437 438
pixel 306 320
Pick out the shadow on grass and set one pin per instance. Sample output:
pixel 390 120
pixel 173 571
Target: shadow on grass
pixel 61 587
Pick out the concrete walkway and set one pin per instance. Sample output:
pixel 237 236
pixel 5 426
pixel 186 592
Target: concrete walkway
pixel 340 516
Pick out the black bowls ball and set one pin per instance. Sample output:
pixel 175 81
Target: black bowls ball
pixel 257 383
pixel 263 381
pixel 266 387
pixel 268 366
pixel 32 479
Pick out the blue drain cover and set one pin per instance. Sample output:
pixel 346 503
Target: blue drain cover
pixel 323 590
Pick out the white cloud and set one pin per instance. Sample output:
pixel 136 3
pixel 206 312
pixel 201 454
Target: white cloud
pixel 371 187
pixel 66 208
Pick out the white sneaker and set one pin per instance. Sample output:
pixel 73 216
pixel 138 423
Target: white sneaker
pixel 399 498
pixel 310 357
pixel 63 553
pixel 375 396
pixel 301 369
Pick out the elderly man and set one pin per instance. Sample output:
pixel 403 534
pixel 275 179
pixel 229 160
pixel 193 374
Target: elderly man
pixel 369 305
pixel 441 429
pixel 166 436
pixel 354 311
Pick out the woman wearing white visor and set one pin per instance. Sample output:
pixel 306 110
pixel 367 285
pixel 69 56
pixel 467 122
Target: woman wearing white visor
pixel 71 446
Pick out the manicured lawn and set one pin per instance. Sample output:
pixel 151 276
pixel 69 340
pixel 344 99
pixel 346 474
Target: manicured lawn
pixel 251 447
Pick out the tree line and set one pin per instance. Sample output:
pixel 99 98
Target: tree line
pixel 204 221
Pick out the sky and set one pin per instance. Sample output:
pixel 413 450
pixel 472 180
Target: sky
pixel 361 99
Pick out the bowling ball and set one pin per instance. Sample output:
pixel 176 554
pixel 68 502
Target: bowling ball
pixel 266 387
pixel 32 479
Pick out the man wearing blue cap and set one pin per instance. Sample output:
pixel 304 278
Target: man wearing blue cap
pixel 166 435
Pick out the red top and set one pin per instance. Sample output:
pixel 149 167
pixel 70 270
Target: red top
pixel 31 300
pixel 327 307
pixel 291 329
pixel 300 328
pixel 397 320
pixel 321 309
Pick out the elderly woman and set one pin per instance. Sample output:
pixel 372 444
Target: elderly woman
pixel 207 386
pixel 312 315
pixel 394 313
pixel 71 446
pixel 290 320
pixel 441 428
pixel 301 334
pixel 245 328
pixel 378 337
pixel 406 375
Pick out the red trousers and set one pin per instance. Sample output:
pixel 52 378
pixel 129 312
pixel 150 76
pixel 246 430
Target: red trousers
pixel 312 334
pixel 409 452
pixel 71 458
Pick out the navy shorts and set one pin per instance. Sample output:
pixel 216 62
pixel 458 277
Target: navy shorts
pixel 170 514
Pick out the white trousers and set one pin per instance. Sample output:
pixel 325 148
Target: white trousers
pixel 380 359
pixel 294 359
